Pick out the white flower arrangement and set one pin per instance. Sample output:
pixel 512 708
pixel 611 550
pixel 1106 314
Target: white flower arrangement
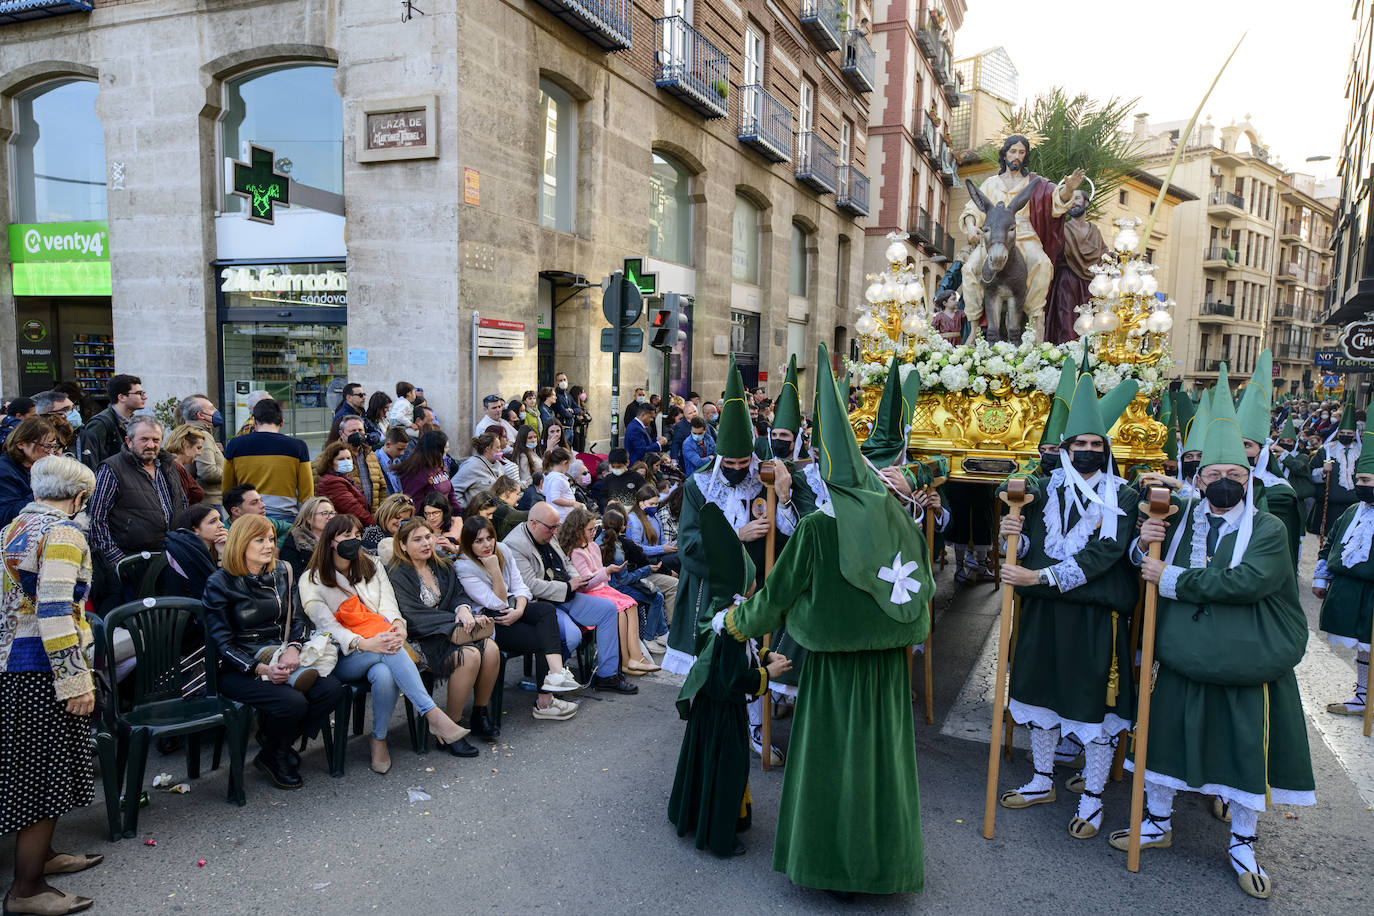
pixel 1026 366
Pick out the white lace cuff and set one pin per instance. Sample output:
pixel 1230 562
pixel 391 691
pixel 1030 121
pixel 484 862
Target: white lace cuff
pixel 718 622
pixel 1168 581
pixel 1137 555
pixel 1322 575
pixel 1068 575
pixel 1022 546
pixel 787 519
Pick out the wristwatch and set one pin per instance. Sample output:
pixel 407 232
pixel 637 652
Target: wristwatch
pixel 1044 577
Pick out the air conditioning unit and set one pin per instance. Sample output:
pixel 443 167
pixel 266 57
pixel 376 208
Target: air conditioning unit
pixel 1216 171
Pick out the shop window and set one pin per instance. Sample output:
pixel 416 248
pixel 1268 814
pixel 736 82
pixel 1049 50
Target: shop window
pixel 59 154
pixel 798 263
pixel 744 249
pixel 670 211
pixel 293 111
pixel 557 175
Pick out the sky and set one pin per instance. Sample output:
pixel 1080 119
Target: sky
pixel 1288 76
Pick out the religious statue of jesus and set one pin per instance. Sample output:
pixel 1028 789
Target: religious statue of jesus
pixel 1039 229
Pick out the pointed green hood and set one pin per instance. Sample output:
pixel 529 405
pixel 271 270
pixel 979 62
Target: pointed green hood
pixel 1090 416
pixel 1184 409
pixel 1348 415
pixel 879 547
pixel 1223 444
pixel 1059 407
pixel 1365 463
pixel 886 443
pixel 1169 420
pixel 911 393
pixel 1253 413
pixel 1196 436
pixel 1289 431
pixel 787 410
pixel 735 434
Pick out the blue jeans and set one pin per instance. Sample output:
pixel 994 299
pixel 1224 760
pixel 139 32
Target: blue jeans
pixel 588 611
pixel 386 673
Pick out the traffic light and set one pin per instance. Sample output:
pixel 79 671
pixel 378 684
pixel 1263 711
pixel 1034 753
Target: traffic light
pixel 663 326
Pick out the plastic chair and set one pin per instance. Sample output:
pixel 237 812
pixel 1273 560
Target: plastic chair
pixel 110 747
pixel 156 626
pixel 138 574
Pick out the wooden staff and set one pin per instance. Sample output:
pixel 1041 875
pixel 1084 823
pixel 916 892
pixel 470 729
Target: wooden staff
pixel 1158 508
pixel 1016 498
pixel 1009 726
pixel 1368 707
pixel 766 476
pixel 1326 504
pixel 930 635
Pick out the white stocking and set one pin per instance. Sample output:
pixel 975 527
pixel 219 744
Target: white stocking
pixel 1097 762
pixel 960 551
pixel 1361 681
pixel 1043 741
pixel 980 552
pixel 756 712
pixel 1069 748
pixel 1244 822
pixel 1159 810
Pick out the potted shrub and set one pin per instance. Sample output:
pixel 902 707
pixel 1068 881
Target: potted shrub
pixel 722 88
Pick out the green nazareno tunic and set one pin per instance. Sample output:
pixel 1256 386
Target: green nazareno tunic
pixel 1349 603
pixel 711 789
pixel 1332 492
pixel 1068 643
pixel 1282 503
pixel 1226 718
pixel 850 817
pixel 1298 472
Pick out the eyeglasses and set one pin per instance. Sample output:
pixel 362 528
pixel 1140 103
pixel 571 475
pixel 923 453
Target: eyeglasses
pixel 1237 475
pixel 547 525
pixel 140 393
pixel 52 448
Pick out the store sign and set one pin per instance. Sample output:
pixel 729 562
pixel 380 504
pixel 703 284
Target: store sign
pixel 327 288
pixel 258 182
pixel 1357 340
pixel 60 259
pixel 1337 361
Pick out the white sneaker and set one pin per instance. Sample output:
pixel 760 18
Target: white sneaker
pixel 558 709
pixel 659 644
pixel 559 682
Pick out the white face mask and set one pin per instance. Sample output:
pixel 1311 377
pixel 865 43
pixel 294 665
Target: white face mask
pixel 563 384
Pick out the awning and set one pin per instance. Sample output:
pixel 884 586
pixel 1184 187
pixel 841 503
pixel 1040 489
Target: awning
pixel 1354 308
pixel 24 10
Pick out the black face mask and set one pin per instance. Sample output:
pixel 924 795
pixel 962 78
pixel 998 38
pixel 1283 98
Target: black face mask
pixel 1049 462
pixel 781 448
pixel 355 439
pixel 1087 462
pixel 349 549
pixel 1364 492
pixel 1225 493
pixel 734 476
pixel 1189 468
pixel 1345 439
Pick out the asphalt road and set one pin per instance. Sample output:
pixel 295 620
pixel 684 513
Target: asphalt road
pixel 571 817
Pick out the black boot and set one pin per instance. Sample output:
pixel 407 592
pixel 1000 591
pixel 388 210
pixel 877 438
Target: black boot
pixel 275 763
pixel 482 725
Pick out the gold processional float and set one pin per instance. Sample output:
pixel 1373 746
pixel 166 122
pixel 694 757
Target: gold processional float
pixel 983 406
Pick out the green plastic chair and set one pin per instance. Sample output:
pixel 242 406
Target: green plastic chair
pixel 157 709
pixel 138 574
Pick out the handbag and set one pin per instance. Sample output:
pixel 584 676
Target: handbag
pixel 318 652
pixel 483 627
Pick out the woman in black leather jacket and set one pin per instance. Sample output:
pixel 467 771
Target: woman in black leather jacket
pixel 247 604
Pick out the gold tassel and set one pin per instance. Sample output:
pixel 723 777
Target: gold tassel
pixel 1113 676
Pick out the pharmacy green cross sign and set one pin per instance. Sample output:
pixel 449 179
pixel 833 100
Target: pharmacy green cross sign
pixel 634 272
pixel 257 183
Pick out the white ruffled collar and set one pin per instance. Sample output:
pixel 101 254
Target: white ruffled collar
pixel 1358 537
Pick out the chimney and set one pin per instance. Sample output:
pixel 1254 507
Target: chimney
pixel 1140 131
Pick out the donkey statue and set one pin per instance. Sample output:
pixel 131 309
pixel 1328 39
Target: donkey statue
pixel 1004 269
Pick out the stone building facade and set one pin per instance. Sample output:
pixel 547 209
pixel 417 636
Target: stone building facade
pixel 556 140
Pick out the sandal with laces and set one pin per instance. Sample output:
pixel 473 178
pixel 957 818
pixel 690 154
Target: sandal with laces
pixel 1149 839
pixel 1017 798
pixel 1254 883
pixel 1083 828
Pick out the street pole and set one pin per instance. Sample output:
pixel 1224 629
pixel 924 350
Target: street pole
pixel 615 390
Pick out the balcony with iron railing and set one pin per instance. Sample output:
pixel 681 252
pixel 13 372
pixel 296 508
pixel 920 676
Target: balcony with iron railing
pixel 1296 352
pixel 948 248
pixel 816 163
pixel 765 123
pixel 1220 198
pixel 852 194
pixel 605 23
pixel 926 135
pixel 949 166
pixel 1208 365
pixel 691 68
pixel 1290 271
pixel 937 234
pixel 1218 308
pixel 1218 256
pixel 857 65
pixel 821 19
pixel 920 226
pixel 952 88
pixel 1291 231
pixel 1284 312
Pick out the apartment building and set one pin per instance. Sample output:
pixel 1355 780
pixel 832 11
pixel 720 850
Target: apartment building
pixel 1302 276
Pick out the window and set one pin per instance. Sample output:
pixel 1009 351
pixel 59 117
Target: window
pixel 753 57
pixel 798 264
pixel 670 212
pixel 556 177
pixel 293 111
pixel 807 107
pixel 59 154
pixel 1121 197
pixel 744 251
